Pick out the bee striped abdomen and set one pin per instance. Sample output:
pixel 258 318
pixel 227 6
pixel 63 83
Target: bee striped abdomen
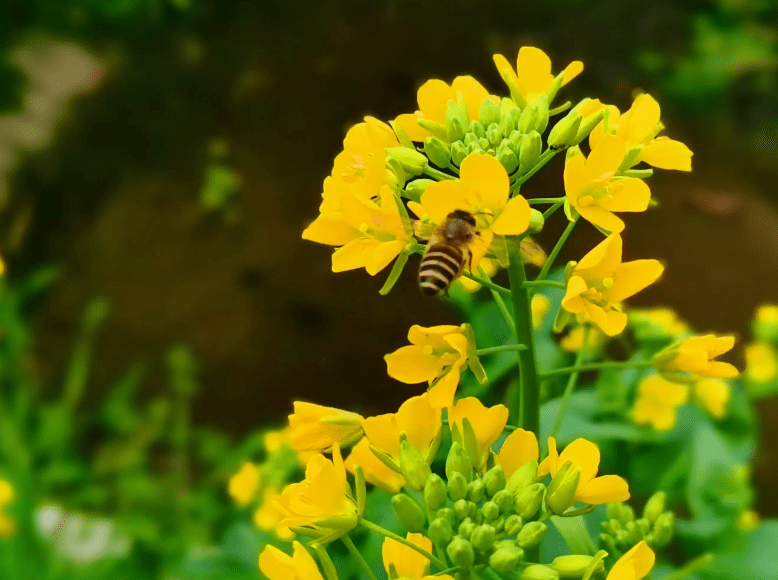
pixel 439 267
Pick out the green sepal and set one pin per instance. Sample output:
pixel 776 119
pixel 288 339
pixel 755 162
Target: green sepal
pixel 560 109
pixel 516 95
pixel 562 319
pixel 408 513
pixel 470 443
pixel 595 564
pixel 394 275
pixel 436 129
pixel 586 128
pixel 561 490
pixel 555 86
pixel 489 113
pixel 393 575
pixel 530 151
pixel 361 489
pixel 402 136
pixel 437 151
pixel 473 362
pixel 413 465
pixel 394 167
pixel 385 459
pixel 526 475
pixel 456 121
pixel 499 248
pixel 340 524
pixel 631 158
pixel 571 213
pixel 432 452
pixel 330 573
pixel 307 532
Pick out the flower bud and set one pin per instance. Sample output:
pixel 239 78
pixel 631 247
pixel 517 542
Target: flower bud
pixel 494 480
pixel 586 126
pixel 513 524
pixel 489 113
pixel 663 529
pixel 457 461
pixel 477 128
pixel 607 542
pixel 484 144
pixel 539 572
pixel 561 491
pixel 634 535
pixel 531 534
pixel 530 150
pixel 447 514
pixel 459 152
pixel 508 160
pixel 655 506
pixel 565 131
pixel 529 500
pixel 466 528
pixel 472 138
pixel 621 512
pixel 413 466
pixel 395 172
pixel 509 122
pixel 416 187
pixel 434 493
pixel 440 532
pixel 493 135
pixel 535 116
pixel 456 121
pixel 460 509
pixel 645 527
pixel 408 513
pixel 472 509
pixel 505 559
pixel 413 162
pixel 504 501
pixel 474 147
pixel 765 324
pixel 461 553
pixel 498 524
pixel 437 151
pixel 476 491
pixel 490 511
pixel 536 221
pixel 515 141
pixel 575 566
pixel 457 486
pixel 522 477
pixel 482 538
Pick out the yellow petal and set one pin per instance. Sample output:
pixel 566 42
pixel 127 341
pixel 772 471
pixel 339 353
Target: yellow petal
pixel 575 173
pixel 349 257
pixel 653 412
pixel 486 176
pixel 666 153
pixel 382 255
pixel 605 158
pixel 473 92
pixel 504 67
pixel 432 335
pixel 376 472
pixel 441 198
pixel 634 565
pixel 613 119
pixel 480 247
pixel 604 489
pixel 442 394
pixel 550 465
pixel 630 194
pixel 275 564
pixel 383 432
pixel 669 393
pixel 304 564
pixel 611 322
pixel 640 121
pixel 534 72
pixel 410 365
pixel 602 218
pixel 585 455
pixel 573 70
pixel 722 344
pixel 330 229
pixel 409 123
pixel 433 97
pixel 408 563
pixel 243 486
pixel 602 260
pixel 631 277
pixel 487 423
pixel 309 433
pixel 420 421
pixel 714 396
pixel 572 302
pixel 519 448
pixel 514 219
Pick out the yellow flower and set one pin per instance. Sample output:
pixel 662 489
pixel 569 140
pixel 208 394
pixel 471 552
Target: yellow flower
pixel 417 417
pixel 433 97
pixel 408 563
pixel 573 340
pixel 244 485
pixel 278 565
pixel 487 423
pixel 585 458
pixel 322 500
pixel 268 514
pixel 713 395
pixel 370 235
pixel 533 76
pixel 658 401
pixel 761 362
pixel 519 448
pixel 748 520
pixel 483 189
pixel 595 192
pixel 316 428
pixel 7 523
pixel 639 128
pixel 765 313
pixel 437 352
pixel 601 280
pixel 696 355
pixel 634 565
pixel 540 305
pixel 375 471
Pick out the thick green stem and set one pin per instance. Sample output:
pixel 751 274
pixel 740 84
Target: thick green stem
pixel 384 532
pixel 358 557
pixel 552 210
pixel 544 283
pixel 545 200
pixel 597 367
pixel 571 383
pixel 555 252
pixel 504 348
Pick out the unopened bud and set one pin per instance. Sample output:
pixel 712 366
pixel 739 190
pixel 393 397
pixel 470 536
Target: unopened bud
pixel 509 122
pixel 408 513
pixel 466 528
pixel 412 161
pixel 476 491
pixel 586 126
pixel 530 150
pixel 478 129
pixel 561 491
pixel 461 552
pixel 413 466
pixel 472 138
pixel 494 480
pixel 663 529
pixel 539 572
pixel 484 144
pixel 608 543
pixel 536 221
pixel 634 533
pixel 416 188
pixel 655 506
pixel 515 141
pixel 535 116
pixel 437 151
pixel 505 559
pixel 504 501
pixel 482 538
pixel 457 486
pixel 457 461
pixel 456 121
pixel 499 524
pixel 490 511
pixel 472 509
pixel 434 493
pixel 529 500
pixel 522 477
pixel 460 509
pixel 513 524
pixel 489 113
pixel 565 131
pixel 531 534
pixel 440 532
pixel 493 135
pixel 446 514
pixel 459 152
pixel 575 566
pixel 508 160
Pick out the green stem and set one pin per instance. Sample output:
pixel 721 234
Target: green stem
pixel 556 250
pixel 640 173
pixel 571 383
pixel 528 412
pixel 453 168
pixel 544 158
pixel 552 210
pixel 691 567
pixel 486 282
pixel 448 571
pixel 596 367
pixel 384 532
pixel 549 200
pixel 544 283
pixel 435 174
pixel 500 303
pixel 358 557
pixel 504 348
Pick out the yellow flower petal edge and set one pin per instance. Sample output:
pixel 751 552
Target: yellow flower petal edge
pixel 407 562
pixel 532 76
pixel 695 358
pixel 244 485
pixel 518 449
pixel 316 428
pixel 278 565
pixel 634 565
pixel 487 423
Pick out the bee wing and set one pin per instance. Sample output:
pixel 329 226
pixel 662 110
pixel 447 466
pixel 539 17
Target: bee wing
pixel 532 252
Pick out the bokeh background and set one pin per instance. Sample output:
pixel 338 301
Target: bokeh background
pixel 165 155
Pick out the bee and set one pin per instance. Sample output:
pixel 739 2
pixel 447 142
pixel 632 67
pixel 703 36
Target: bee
pixel 448 251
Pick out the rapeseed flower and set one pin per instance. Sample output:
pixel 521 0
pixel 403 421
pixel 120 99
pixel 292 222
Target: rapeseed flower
pixel 639 128
pixel 278 565
pixel 713 395
pixel 518 449
pixel 408 563
pixel 7 523
pixel 487 423
pixel 268 514
pixel 375 471
pixel 761 362
pixel 244 485
pixel 539 305
pixel 695 357
pixel 601 280
pixel 532 76
pixel 317 428
pixel 433 97
pixel 595 192
pixel 658 401
pixel 585 458
pixel 634 565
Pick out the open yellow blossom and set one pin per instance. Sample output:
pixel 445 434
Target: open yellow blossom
pixel 408 563
pixel 433 97
pixel 585 457
pixel 696 355
pixel 639 128
pixel 519 448
pixel 634 565
pixel 375 471
pixel 417 417
pixel 595 192
pixel 370 235
pixel 761 362
pixel 487 422
pixel 658 401
pixel 533 76
pixel 244 485
pixel 7 523
pixel 539 305
pixel 436 352
pixel 713 395
pixel 483 189
pixel 268 514
pixel 316 428
pixel 278 565
pixel 322 500
pixel 601 280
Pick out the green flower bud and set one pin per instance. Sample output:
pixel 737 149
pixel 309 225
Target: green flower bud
pixel 644 525
pixel 460 509
pixel 474 147
pixel 522 477
pixel 535 116
pixel 459 151
pixel 498 524
pixel 508 160
pixel 494 480
pixel 416 187
pixel 447 514
pixel 509 122
pixel 575 566
pixel 472 138
pixel 515 141
pixel 478 129
pixel 395 171
pixel 408 513
pixel 536 221
pixel 490 511
pixel 530 150
pixel 413 466
pixel 611 526
pixel 633 532
pixel 466 528
pixel 461 553
pixel 529 500
pixel 539 572
pixel 565 131
pixel 437 151
pixel 482 538
pixel 489 113
pixel 626 514
pixel 663 529
pixel 506 559
pixel 531 534
pixel 504 501
pixel 457 486
pixel 561 491
pixel 456 121
pixel 513 524
pixel 412 161
pixel 457 461
pixel 494 135
pixel 621 537
pixel 476 491
pixel 484 144
pixel 608 543
pixel 472 509
pixel 655 506
pixel 434 493
pixel 440 532
pixel 631 157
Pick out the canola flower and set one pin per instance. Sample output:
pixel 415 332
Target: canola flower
pixel 316 428
pixel 7 523
pixel 713 395
pixel 487 425
pixel 658 402
pixel 761 362
pixel 406 563
pixel 244 485
pixel 532 76
pixel 268 515
pixel 518 449
pixel 634 565
pixel 573 341
pixel 695 358
pixel 278 565
pixel 375 471
pixel 540 306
